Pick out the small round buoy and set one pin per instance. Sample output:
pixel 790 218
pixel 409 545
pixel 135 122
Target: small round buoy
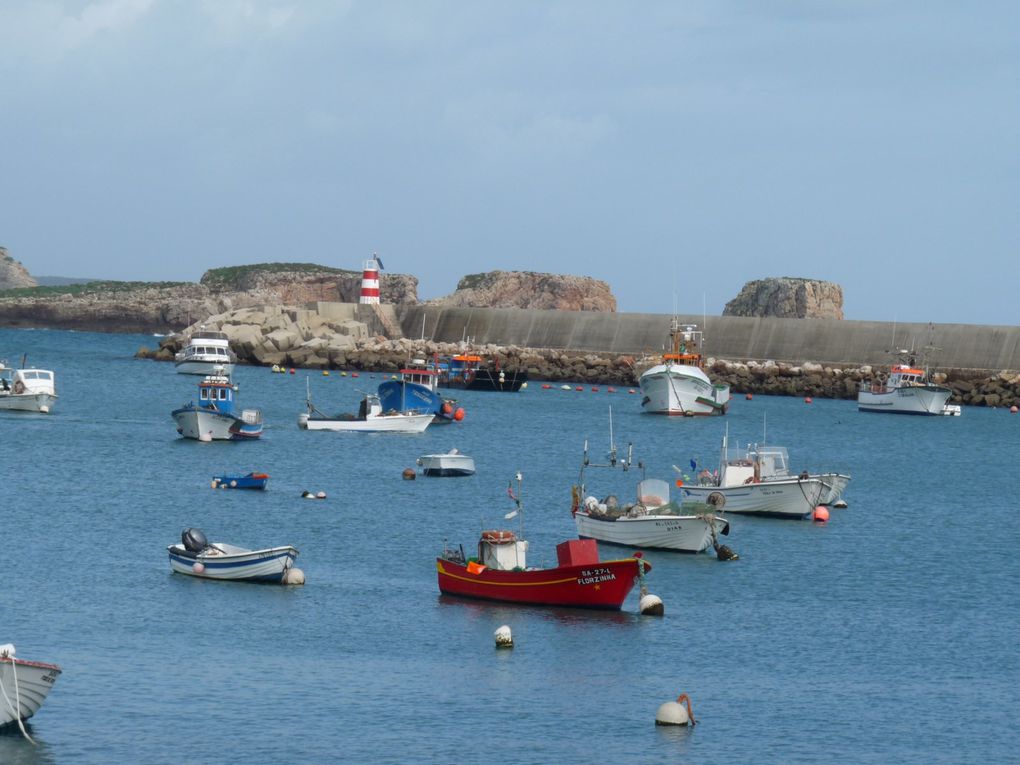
pixel 354 374
pixel 579 388
pixel 820 515
pixel 839 503
pixel 293 371
pixel 447 407
pixel 325 373
pixel 233 484
pixel 409 474
pixel 632 391
pixel 459 414
pixel 594 389
pixel 275 369
pixel 503 637
pixel 749 397
pixel 524 385
pixel 343 374
pixel 198 567
pixel 675 712
pixel 320 495
pixel 610 390
pixel 651 605
pixel 807 400
pixel 1014 409
pixel 293 576
pixel 546 386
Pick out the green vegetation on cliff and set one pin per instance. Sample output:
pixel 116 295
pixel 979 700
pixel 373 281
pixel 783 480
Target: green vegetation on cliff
pixel 89 288
pixel 217 278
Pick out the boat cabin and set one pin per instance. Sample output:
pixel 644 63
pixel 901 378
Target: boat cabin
pixel 18 381
pixel 417 372
pixel 217 392
pixel 685 344
pixel 502 550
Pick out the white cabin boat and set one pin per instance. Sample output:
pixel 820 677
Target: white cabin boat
pixel 452 463
pixel 195 556
pixel 370 418
pixel 651 522
pixel 24 685
pixel 775 464
pixel 679 385
pixel 740 481
pixel 908 390
pixel 27 390
pixel 204 353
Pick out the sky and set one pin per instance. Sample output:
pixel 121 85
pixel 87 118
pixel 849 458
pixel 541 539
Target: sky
pixel 675 150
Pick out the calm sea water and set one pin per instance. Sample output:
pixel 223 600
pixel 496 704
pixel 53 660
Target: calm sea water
pixel 886 635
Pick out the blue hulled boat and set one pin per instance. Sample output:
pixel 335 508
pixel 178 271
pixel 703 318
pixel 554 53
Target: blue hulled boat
pixel 416 391
pixel 246 481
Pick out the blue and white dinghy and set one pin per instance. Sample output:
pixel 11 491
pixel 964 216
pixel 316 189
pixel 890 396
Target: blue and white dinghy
pixel 215 416
pixel 196 556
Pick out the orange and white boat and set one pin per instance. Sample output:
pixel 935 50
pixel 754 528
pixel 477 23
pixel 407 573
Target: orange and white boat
pixel 679 385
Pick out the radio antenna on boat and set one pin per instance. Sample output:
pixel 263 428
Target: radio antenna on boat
pixel 518 511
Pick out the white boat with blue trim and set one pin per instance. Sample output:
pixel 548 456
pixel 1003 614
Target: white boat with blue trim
pixel 196 556
pixel 908 390
pixel 215 416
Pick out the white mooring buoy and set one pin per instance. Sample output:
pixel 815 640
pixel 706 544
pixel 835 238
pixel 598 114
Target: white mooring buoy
pixel 503 637
pixel 293 576
pixel 675 712
pixel 651 605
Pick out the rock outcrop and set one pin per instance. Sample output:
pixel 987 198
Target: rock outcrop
pixel 12 274
pixel 291 283
pixel 789 298
pixel 527 289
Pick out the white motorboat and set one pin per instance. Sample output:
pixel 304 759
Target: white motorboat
pixel 740 481
pixel 370 419
pixel 27 390
pixel 908 390
pixel 452 463
pixel 774 465
pixel 204 353
pixel 24 686
pixel 195 556
pixel 652 521
pixel 679 385
pixel 214 417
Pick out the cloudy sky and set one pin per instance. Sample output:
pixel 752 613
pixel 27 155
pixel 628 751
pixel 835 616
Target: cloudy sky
pixel 674 149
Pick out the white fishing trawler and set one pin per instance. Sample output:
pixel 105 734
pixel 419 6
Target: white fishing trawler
pixel 907 390
pixel 679 385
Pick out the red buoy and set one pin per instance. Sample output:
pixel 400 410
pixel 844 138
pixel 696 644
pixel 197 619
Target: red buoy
pixel 807 400
pixel 610 390
pixel 459 414
pixel 1014 409
pixel 632 391
pixel 594 390
pixel 749 397
pixel 546 386
pixel 292 370
pixel 579 388
pixel 821 514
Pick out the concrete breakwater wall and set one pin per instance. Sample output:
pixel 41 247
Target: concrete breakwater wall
pixel 348 336
pixel 829 342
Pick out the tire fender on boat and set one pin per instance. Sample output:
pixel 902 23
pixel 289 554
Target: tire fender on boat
pixel 19 387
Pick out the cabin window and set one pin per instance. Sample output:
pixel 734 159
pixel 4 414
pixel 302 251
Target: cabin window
pixel 223 394
pixel 203 394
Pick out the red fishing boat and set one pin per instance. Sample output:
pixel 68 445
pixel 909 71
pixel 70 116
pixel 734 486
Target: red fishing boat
pixel 500 572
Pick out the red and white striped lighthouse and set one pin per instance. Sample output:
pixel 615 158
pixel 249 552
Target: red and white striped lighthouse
pixel 370 281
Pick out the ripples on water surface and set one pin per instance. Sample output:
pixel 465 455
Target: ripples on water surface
pixel 886 635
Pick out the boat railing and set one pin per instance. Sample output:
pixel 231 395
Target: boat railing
pixel 252 416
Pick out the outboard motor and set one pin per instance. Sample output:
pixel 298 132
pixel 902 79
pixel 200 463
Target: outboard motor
pixel 194 540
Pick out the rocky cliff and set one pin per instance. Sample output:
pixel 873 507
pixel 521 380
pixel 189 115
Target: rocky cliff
pixel 305 283
pixel 788 297
pixel 158 307
pixel 527 289
pixel 12 274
